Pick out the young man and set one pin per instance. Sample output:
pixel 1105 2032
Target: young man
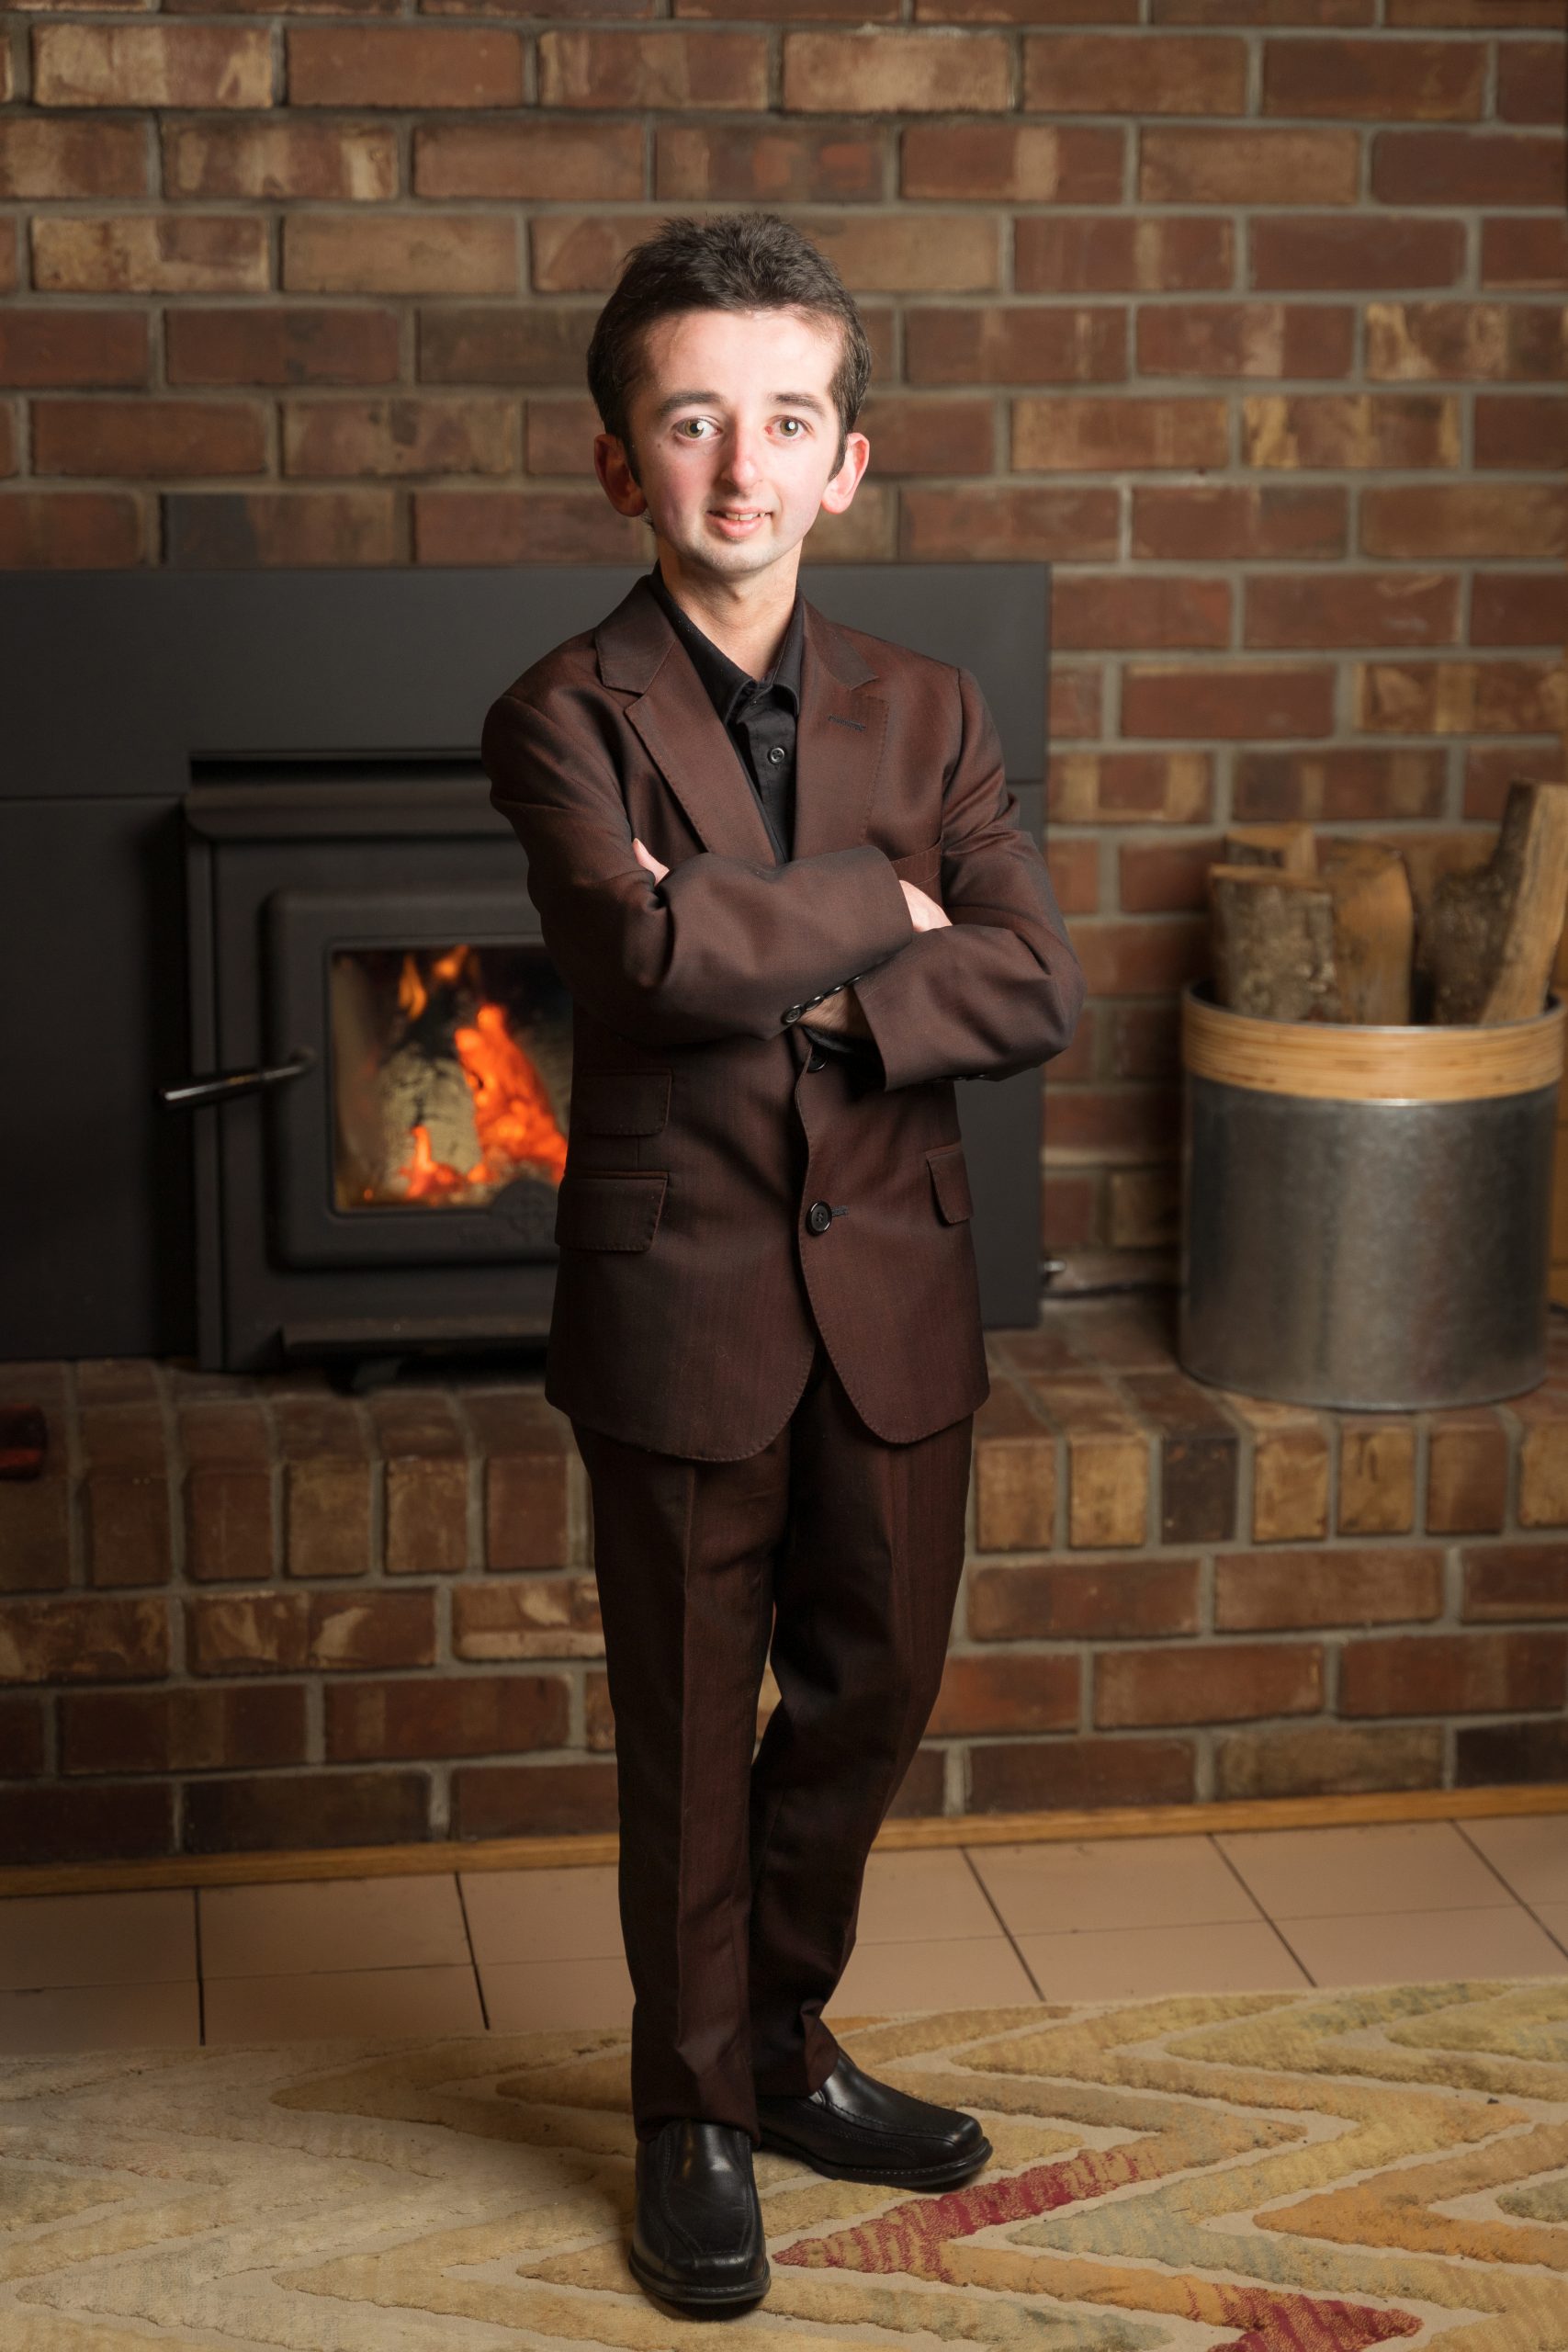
pixel 777 863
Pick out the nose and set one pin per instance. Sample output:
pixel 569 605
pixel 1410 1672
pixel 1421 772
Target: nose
pixel 741 462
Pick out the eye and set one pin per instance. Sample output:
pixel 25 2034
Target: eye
pixel 799 420
pixel 691 420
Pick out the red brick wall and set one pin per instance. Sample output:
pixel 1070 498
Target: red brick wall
pixel 1248 319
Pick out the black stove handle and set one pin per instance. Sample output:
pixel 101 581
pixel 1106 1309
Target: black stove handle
pixel 194 1094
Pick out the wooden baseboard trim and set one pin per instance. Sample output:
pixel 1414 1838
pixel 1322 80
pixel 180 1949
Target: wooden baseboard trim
pixel 916 1832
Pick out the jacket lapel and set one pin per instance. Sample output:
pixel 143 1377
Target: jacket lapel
pixel 839 737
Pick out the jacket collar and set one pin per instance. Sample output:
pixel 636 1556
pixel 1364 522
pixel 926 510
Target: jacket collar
pixel 839 734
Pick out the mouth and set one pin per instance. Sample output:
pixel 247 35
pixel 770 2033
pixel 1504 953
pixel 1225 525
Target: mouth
pixel 738 518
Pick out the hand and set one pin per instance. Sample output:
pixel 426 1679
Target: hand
pixel 841 1013
pixel 924 913
pixel 646 857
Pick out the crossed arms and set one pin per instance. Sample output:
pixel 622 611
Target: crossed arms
pixel 721 947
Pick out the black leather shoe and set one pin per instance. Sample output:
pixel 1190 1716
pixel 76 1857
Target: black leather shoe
pixel 697 2240
pixel 854 2128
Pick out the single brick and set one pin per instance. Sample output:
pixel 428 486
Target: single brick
pixel 1197 1455
pixel 528 1449
pixel 1377 1476
pixel 82 1823
pixel 151 65
pixel 149 437
pixel 1139 73
pixel 529 1617
pixel 1012 164
pixel 536 527
pixel 769 163
pixel 281 346
pixel 256 1813
pixel 126 1495
pixel 427 1482
pixel 1107 1462
pixel 533 1800
pixel 1231 1684
pixel 1379 1585
pixel 1015 1474
pixel 327 1482
pixel 85 1639
pixel 1069 436
pixel 151 253
pixel 182 1730
pixel 1454 1674
pixel 391 65
pixel 523 162
pixel 1543 1458
pixel 1375 79
pixel 1109 1600
pixel 440 252
pixel 1213 163
pixel 280 161
pixel 949 71
pixel 523 345
pixel 218 531
pixel 43 348
pixel 1467 1473
pixel 1058 1775
pixel 1502 1754
pixel 88 530
pixel 479 433
pixel 51 159
pixel 449 1714
pixel 228 1513
pixel 672 71
pixel 1516 1580
pixel 364 1630
pixel 1327 1759
pixel 1025 1692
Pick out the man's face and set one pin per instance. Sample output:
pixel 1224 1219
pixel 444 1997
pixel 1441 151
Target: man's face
pixel 735 435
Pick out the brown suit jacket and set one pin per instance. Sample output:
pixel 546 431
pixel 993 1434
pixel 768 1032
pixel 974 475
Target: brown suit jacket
pixel 691 1281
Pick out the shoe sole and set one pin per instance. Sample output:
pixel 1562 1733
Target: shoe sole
pixel 695 2298
pixel 940 2175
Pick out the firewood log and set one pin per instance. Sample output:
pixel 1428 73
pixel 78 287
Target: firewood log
pixel 1292 847
pixel 1490 935
pixel 1374 927
pixel 1272 938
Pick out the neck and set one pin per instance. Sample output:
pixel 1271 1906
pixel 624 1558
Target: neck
pixel 745 618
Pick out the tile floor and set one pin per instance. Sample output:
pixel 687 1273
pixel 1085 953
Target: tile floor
pixel 510 1949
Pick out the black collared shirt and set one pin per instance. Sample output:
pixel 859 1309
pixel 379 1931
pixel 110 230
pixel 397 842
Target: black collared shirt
pixel 759 717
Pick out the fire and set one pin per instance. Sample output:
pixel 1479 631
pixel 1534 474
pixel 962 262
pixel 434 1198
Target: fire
pixel 513 1118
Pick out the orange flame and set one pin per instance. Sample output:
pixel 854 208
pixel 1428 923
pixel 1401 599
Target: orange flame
pixel 513 1117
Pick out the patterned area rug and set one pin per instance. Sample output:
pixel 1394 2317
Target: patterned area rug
pixel 1273 2173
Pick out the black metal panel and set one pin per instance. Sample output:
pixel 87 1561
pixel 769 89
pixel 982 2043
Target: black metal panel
pixel 115 684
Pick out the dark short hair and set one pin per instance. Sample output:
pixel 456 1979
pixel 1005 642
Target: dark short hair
pixel 736 261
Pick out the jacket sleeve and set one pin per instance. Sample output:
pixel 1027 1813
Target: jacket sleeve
pixel 1001 990
pixel 720 947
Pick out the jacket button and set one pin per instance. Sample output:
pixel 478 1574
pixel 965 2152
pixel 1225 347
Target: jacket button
pixel 817 1061
pixel 819 1217
pixel 791 1012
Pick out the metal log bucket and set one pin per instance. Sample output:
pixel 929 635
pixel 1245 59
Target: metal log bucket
pixel 1366 1211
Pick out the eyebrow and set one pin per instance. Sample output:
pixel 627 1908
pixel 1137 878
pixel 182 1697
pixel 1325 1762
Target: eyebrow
pixel 783 400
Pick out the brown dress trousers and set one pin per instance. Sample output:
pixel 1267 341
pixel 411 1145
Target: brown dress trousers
pixel 740 1881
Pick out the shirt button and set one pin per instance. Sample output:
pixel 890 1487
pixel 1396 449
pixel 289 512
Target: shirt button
pixel 776 754
pixel 819 1217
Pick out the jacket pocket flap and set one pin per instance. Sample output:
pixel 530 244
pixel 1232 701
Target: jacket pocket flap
pixel 950 1179
pixel 621 1101
pixel 609 1211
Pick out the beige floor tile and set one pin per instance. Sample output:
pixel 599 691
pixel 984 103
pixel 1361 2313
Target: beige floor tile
pixel 1529 1852
pixel 523 1996
pixel 1425 1947
pixel 129 1939
pixel 100 2016
pixel 308 1926
pixel 1111 1882
pixel 1130 1964
pixel 921 1898
pixel 1331 1873
pixel 941 1972
pixel 343 2001
pixel 1553 1917
pixel 528 1916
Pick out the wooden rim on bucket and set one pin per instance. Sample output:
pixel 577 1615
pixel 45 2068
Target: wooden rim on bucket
pixel 1359 1062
